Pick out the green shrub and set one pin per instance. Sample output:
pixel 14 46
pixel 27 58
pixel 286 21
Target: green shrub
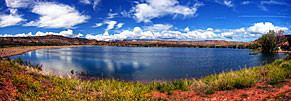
pixel 277 62
pixel 285 65
pixel 276 75
pixel 168 86
pixel 253 46
pixel 285 47
pixel 241 47
pixel 253 53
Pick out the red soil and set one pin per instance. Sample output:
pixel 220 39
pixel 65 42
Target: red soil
pixel 262 91
pixel 12 51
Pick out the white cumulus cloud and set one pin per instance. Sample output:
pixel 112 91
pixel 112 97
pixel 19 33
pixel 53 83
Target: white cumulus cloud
pixel 62 33
pixel 10 19
pixel 54 15
pixel 263 28
pixel 150 9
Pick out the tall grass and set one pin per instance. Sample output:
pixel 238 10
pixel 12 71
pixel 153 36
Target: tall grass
pixel 21 81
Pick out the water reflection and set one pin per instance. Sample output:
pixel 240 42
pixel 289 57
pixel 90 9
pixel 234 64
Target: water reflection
pixel 140 63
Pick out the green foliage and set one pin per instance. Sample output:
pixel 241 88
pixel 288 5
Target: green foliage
pixel 285 47
pixel 253 53
pixel 19 60
pixel 271 41
pixel 237 79
pixel 241 47
pixel 288 39
pixel 253 46
pixel 168 86
pixel 278 71
pixel 276 76
pixel 8 59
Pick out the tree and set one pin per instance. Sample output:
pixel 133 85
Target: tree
pixel 271 41
pixel 289 39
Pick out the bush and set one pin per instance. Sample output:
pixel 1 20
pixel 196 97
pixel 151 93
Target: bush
pixel 253 46
pixel 241 47
pixel 276 75
pixel 277 62
pixel 271 41
pixel 285 47
pixel 286 65
pixel 168 86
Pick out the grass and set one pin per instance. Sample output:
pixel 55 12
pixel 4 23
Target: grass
pixel 21 81
pixel 253 53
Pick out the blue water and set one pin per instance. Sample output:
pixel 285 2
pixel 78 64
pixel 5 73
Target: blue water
pixel 143 63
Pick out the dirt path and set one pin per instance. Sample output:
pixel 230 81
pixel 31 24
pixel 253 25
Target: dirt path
pixel 12 51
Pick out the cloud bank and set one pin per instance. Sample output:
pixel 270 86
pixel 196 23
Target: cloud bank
pixel 39 33
pixel 149 32
pixel 153 32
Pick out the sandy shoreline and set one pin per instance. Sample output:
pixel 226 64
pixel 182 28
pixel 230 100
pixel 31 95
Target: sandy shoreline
pixel 12 51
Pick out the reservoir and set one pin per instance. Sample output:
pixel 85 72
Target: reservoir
pixel 146 63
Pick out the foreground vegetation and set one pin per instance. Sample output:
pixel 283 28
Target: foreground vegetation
pixel 20 81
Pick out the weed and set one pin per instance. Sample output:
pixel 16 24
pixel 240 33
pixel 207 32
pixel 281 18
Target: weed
pixel 253 53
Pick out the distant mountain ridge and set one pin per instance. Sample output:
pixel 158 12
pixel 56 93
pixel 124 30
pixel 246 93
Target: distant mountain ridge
pixel 48 39
pixel 61 40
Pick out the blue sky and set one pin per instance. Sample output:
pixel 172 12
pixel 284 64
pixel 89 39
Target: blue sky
pixel 232 20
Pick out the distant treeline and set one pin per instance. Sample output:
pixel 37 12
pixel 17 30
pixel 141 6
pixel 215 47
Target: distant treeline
pixel 251 46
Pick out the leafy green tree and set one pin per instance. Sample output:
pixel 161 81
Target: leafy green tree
pixel 253 46
pixel 289 39
pixel 271 41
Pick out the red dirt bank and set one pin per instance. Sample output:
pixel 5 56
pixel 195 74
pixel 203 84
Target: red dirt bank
pixel 12 51
pixel 260 92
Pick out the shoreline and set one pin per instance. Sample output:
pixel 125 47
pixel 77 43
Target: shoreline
pixel 272 81
pixel 13 51
pixel 257 83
